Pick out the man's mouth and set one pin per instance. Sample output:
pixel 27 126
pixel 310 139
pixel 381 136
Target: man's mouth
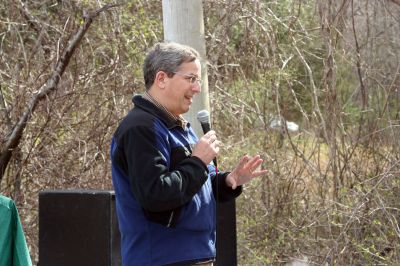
pixel 189 98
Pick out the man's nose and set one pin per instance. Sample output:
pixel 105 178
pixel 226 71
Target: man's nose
pixel 196 87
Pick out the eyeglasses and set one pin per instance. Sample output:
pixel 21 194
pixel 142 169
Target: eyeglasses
pixel 191 78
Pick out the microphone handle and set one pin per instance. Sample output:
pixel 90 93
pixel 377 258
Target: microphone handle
pixel 215 163
pixel 207 127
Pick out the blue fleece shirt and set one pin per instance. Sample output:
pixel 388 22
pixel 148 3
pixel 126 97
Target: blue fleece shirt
pixel 164 197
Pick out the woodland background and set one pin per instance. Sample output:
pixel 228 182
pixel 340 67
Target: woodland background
pixel 331 196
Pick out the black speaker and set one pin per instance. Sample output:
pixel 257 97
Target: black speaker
pixel 226 234
pixel 78 227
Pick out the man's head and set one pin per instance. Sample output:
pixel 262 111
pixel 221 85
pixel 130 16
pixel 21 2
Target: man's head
pixel 166 57
pixel 172 74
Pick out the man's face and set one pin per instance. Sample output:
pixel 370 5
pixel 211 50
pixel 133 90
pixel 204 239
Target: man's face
pixel 180 89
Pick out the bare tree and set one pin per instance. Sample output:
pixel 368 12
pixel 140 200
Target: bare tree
pixel 14 137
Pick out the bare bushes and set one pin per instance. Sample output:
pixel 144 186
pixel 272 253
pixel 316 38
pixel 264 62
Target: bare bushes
pixel 330 195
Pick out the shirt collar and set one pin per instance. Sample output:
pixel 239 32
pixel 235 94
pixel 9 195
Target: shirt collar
pixel 178 119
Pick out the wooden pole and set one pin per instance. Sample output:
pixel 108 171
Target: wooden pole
pixel 183 23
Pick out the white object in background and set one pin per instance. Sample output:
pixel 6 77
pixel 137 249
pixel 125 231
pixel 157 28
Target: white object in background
pixel 276 123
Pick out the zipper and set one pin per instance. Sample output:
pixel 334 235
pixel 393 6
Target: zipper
pixel 170 219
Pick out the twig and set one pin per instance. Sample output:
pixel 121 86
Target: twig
pixel 397 2
pixel 3 107
pixel 358 63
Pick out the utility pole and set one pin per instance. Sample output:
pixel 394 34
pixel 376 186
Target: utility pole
pixel 184 23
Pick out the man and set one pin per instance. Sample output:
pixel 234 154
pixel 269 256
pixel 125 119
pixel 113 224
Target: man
pixel 162 176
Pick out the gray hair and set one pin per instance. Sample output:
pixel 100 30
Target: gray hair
pixel 166 57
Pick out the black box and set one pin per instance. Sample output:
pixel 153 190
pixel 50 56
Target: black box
pixel 78 227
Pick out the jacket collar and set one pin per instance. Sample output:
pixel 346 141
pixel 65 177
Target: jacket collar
pixel 149 104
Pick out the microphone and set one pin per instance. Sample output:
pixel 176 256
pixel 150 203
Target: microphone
pixel 204 118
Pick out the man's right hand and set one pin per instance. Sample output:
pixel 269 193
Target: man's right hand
pixel 207 148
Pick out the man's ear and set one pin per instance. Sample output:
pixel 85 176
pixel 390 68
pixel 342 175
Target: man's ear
pixel 161 79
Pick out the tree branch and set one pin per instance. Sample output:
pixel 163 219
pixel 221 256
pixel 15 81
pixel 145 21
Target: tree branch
pixel 358 62
pixel 397 2
pixel 4 108
pixel 51 85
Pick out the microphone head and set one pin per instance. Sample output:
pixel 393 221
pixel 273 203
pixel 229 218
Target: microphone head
pixel 203 116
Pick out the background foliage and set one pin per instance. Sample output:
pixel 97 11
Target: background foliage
pixel 331 194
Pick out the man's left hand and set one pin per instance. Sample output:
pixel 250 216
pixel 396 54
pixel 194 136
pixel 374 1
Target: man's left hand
pixel 247 169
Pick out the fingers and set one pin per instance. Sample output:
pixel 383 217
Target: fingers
pixel 249 163
pixel 258 173
pixel 234 185
pixel 209 134
pixel 211 138
pixel 253 165
pixel 254 162
pixel 208 147
pixel 243 161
